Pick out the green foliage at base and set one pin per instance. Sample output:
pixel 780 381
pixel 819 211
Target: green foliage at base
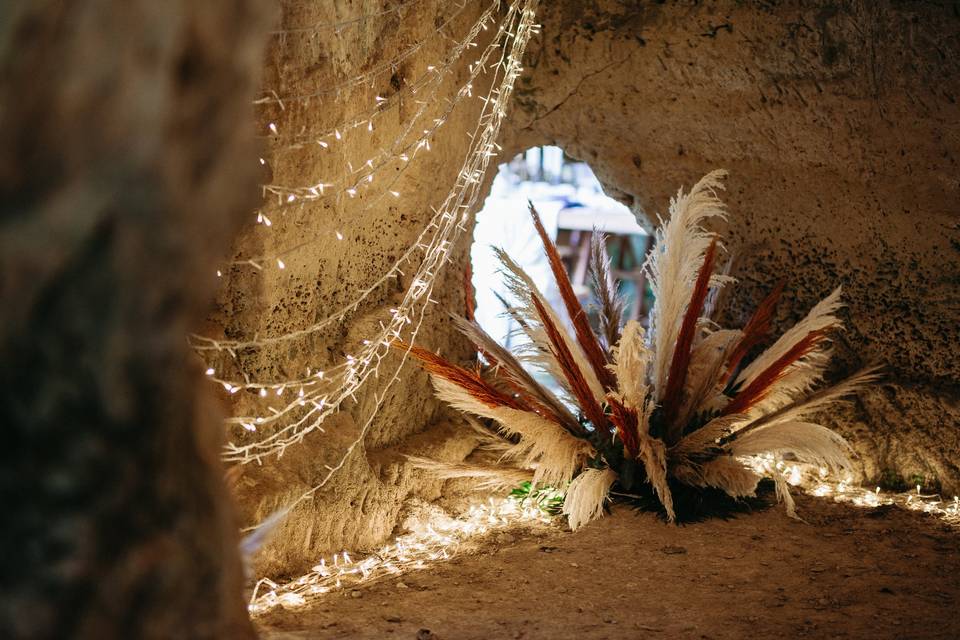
pixel 544 497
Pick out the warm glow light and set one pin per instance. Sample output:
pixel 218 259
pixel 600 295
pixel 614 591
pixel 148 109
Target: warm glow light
pixel 438 539
pixel 321 397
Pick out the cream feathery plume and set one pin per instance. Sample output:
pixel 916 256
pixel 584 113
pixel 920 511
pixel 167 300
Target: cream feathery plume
pixel 585 496
pixel 522 287
pixel 808 442
pixel 653 455
pixel 488 476
pixel 555 453
pixel 674 264
pixel 630 364
pixel 707 368
pixel 543 444
pixel 821 318
pixel 724 472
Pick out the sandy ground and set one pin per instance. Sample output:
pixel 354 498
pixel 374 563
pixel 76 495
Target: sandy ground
pixel 846 573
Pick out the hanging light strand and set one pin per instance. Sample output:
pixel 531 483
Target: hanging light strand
pixel 203 343
pixel 453 215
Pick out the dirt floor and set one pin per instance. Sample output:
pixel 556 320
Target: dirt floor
pixel 847 572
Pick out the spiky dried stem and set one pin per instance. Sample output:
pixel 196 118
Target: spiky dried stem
pixel 681 352
pixel 611 303
pixel 578 317
pixel 765 380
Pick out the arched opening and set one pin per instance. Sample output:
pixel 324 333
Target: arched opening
pixel 574 209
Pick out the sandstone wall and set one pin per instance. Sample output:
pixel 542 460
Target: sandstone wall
pixel 323 273
pixel 121 122
pixel 837 121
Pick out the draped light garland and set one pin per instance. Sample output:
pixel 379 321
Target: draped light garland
pixel 442 537
pixel 436 540
pixel 313 397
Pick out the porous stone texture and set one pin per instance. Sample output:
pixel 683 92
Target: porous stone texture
pixel 122 122
pixel 836 120
pixel 314 74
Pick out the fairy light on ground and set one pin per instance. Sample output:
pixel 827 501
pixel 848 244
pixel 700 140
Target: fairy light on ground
pixel 816 482
pixel 439 539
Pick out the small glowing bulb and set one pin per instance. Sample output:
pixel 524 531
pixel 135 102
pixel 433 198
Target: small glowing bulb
pixel 336 134
pixel 273 128
pixel 219 273
pixel 291 198
pixel 263 393
pixel 210 371
pixel 281 264
pixel 339 236
pixel 322 144
pixel 395 194
pixel 262 161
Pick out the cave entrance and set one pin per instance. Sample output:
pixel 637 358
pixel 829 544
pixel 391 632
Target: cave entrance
pixel 573 207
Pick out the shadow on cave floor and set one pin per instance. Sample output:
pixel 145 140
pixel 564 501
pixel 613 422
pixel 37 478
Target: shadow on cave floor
pixel 846 572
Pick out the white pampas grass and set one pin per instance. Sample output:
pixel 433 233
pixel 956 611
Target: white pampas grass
pixel 543 444
pixel 556 454
pixel 586 495
pixel 821 317
pixel 674 263
pixel 808 442
pixel 488 477
pixel 522 287
pixel 707 364
pixel 630 364
pixel 653 454
pixel 724 472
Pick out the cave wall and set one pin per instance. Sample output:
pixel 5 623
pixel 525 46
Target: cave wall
pixel 839 125
pixel 836 120
pixel 364 500
pixel 122 122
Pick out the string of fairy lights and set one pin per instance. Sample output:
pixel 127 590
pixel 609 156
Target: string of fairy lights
pixel 306 401
pixel 440 538
pixel 443 537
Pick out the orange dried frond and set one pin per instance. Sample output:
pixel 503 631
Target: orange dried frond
pixel 578 384
pixel 469 381
pixel 581 324
pixel 681 351
pixel 758 389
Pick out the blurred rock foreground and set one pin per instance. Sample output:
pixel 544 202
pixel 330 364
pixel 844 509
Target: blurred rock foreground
pixel 124 125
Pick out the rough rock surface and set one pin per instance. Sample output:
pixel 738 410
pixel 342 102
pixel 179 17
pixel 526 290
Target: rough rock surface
pixel 322 273
pixel 121 123
pixel 837 121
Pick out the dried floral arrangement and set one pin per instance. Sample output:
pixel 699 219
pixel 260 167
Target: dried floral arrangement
pixel 681 406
